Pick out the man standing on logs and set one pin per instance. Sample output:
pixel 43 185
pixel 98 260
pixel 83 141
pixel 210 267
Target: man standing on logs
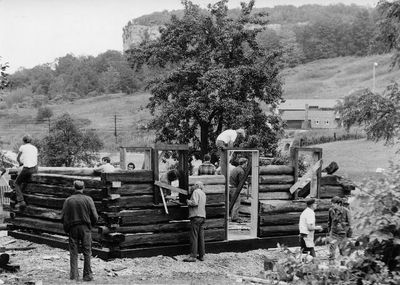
pixel 197 216
pixel 236 176
pixel 27 158
pixel 225 140
pixel 78 216
pixel 105 167
pixel 307 228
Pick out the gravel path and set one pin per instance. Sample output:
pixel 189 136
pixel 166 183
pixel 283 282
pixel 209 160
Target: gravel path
pixel 51 266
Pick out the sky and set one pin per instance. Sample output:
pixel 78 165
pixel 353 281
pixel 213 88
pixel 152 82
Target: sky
pixel 35 32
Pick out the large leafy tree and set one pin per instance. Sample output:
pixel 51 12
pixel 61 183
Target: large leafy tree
pixel 3 75
pixel 219 77
pixel 68 145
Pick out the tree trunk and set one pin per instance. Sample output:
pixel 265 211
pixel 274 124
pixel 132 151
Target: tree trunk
pixel 204 138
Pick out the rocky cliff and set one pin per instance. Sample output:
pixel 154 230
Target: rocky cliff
pixel 134 34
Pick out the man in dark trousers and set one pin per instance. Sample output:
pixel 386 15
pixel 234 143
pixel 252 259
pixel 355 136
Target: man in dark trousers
pixel 28 159
pixel 235 177
pixel 197 216
pixel 78 216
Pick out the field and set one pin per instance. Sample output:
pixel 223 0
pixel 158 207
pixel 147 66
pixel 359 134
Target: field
pixel 359 159
pixel 324 79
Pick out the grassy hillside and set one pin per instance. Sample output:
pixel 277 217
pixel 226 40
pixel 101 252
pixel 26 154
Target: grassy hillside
pixel 324 79
pixel 359 159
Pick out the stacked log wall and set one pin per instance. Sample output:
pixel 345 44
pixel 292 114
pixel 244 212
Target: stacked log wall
pixel 125 203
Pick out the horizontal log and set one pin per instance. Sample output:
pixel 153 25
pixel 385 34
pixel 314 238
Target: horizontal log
pixel 66 180
pixel 141 201
pixel 330 179
pixel 215 198
pixel 276 170
pixel 154 216
pixel 276 179
pixel 61 191
pixel 44 226
pixel 132 189
pixel 207 179
pixel 139 239
pixel 289 218
pixel 172 226
pixel 281 206
pixel 39 212
pixel 274 196
pixel 52 202
pixel 329 191
pixel 269 231
pixel 274 187
pixel 214 188
pixel 139 176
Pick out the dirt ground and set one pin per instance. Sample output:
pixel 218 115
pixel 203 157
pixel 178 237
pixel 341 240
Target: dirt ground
pixel 47 265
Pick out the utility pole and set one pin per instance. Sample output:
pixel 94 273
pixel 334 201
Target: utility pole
pixel 115 128
pixel 373 76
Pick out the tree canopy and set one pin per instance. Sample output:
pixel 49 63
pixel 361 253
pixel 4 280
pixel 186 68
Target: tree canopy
pixel 3 75
pixel 220 76
pixel 68 145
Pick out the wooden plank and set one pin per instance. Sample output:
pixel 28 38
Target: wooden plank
pixel 305 179
pixel 132 189
pixel 153 216
pixel 61 191
pixel 276 170
pixel 276 179
pixel 207 179
pixel 274 187
pixel 139 239
pixel 137 175
pixel 239 188
pixel 74 171
pixel 172 226
pixel 281 206
pixel 274 196
pixel 289 218
pixel 163 146
pixel 214 188
pixel 330 179
pixel 170 187
pixel 268 231
pixel 215 198
pixel 66 180
pixel 122 158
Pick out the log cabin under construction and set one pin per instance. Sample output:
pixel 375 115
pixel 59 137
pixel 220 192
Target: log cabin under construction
pixel 136 220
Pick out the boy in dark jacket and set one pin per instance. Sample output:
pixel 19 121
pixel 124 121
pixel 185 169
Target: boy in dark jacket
pixel 78 216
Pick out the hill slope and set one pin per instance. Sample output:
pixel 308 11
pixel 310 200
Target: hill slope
pixel 323 79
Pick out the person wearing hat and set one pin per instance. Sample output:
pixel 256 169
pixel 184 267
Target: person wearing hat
pixel 225 140
pixel 78 216
pixel 236 176
pixel 28 158
pixel 339 227
pixel 307 228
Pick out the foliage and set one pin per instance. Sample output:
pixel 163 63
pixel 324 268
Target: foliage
pixel 67 145
pixel 313 137
pixel 3 75
pixel 44 113
pixel 389 27
pixel 219 76
pixel 379 114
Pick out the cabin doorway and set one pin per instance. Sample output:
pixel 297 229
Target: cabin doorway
pixel 242 218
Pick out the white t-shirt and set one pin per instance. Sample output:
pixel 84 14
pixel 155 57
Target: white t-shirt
pixel 196 163
pixel 307 217
pixel 228 136
pixel 106 168
pixel 29 155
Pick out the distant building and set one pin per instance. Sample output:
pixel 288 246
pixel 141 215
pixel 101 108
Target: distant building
pixel 310 113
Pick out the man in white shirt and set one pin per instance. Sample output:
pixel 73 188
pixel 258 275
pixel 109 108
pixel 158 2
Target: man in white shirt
pixel 307 228
pixel 28 159
pixel 105 167
pixel 225 140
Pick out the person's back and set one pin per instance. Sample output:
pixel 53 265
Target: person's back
pixel 29 155
pixel 206 168
pixel 236 175
pixel 339 220
pixel 79 209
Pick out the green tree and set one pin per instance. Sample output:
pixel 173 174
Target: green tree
pixel 3 75
pixel 44 113
pixel 219 77
pixel 67 145
pixel 379 114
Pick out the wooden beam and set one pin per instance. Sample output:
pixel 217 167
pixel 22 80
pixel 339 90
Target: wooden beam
pixel 274 196
pixel 66 180
pixel 162 146
pixel 289 218
pixel 61 191
pixel 281 206
pixel 208 179
pixel 131 189
pixel 274 187
pixel 305 179
pixel 170 187
pixel 276 170
pixel 139 175
pixel 276 179
pixel 281 230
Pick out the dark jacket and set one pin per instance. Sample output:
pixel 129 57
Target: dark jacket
pixel 237 175
pixel 339 220
pixel 78 209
